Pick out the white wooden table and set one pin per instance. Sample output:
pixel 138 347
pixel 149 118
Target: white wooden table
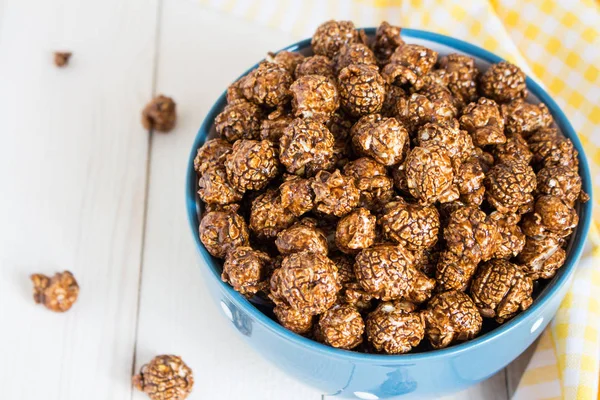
pixel 86 188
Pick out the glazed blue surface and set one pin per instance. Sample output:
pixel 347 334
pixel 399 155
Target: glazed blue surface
pixel 373 376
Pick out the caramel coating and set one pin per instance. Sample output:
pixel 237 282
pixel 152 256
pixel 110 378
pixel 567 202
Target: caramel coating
pixel 159 114
pixel 252 164
pixel 362 89
pixel 61 58
pixel 354 295
pixel 342 153
pixel 503 82
pixel 392 95
pixel 268 216
pixel 240 119
pixel 387 40
pixel 316 65
pixel 335 194
pixel 345 268
pixel 302 236
pixel 340 126
pixel 306 147
pixel 524 118
pixel 395 327
pixel 330 36
pixel 454 271
pixel 512 238
pixel 381 138
pixel 314 96
pixel 342 326
pixel 560 181
pixel 461 74
pixel 211 154
pixel 430 176
pixel 469 179
pixel 234 92
pixel 388 272
pixel 551 216
pixel 166 377
pixel 427 259
pixel 246 270
pixel 515 148
pixel 222 231
pixel 355 231
pixel 370 177
pixel 550 148
pixel 444 102
pixel 297 195
pixel 287 59
pixel 408 64
pixel 541 258
pixel 354 53
pixel 268 85
pixel 501 289
pixel 451 317
pixel 414 226
pixel 57 293
pixel 293 320
pixel 272 127
pixel 306 282
pixel 417 110
pixel 214 187
pixel 483 122
pixel 471 233
pixel 448 136
pixel 509 186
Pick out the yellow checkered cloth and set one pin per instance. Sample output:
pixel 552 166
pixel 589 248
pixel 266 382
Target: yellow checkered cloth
pixel 558 44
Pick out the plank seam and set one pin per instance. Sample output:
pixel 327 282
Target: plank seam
pixel 158 20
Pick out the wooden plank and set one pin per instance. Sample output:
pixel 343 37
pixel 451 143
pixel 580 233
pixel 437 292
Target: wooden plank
pixel 493 388
pixel 200 52
pixel 73 172
pixel 515 370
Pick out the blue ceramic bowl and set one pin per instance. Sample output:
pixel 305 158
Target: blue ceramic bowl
pixel 420 375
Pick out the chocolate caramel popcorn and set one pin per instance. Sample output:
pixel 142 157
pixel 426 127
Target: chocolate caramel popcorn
pixel 381 138
pixel 246 269
pixel 375 193
pixel 314 96
pixel 500 289
pixel 222 231
pixel 451 317
pixel 503 82
pixel 316 65
pixel 166 377
pixel 342 326
pixel 267 85
pixel 387 40
pixel 61 58
pixel 159 114
pixel 388 272
pixel 240 119
pixel 395 327
pixel 355 231
pixel 332 35
pixel 362 89
pixel 251 164
pixel 306 282
pixel 57 293
pixel 372 180
pixel 306 147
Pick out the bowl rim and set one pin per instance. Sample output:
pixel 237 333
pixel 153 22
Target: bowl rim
pixel 562 277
